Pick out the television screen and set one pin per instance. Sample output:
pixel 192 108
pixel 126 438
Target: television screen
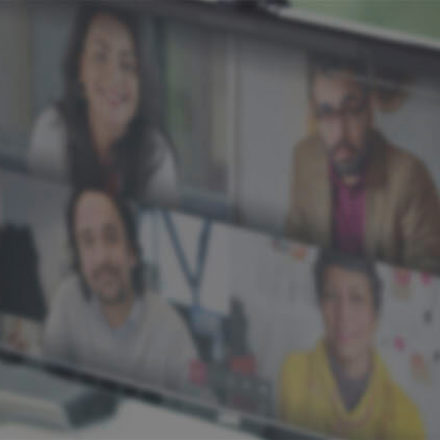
pixel 224 206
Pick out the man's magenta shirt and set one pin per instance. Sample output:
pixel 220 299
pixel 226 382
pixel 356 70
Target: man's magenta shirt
pixel 348 215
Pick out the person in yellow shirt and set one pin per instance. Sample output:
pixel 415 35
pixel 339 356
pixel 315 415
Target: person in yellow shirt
pixel 342 387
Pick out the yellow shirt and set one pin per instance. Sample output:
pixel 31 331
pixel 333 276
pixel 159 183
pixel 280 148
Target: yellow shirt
pixel 309 397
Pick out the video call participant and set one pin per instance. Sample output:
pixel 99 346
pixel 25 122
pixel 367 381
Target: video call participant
pixel 105 129
pixel 353 190
pixel 342 387
pixel 104 317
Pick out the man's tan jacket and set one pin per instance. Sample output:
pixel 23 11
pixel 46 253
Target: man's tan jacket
pixel 402 205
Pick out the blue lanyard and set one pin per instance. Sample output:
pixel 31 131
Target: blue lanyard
pixel 194 279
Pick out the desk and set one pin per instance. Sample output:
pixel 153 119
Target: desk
pixel 132 420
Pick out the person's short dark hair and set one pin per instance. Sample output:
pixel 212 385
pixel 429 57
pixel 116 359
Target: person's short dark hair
pixel 352 263
pixel 326 64
pixel 126 215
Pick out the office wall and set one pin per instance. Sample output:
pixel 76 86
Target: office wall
pixel 15 75
pixel 414 125
pixel 271 119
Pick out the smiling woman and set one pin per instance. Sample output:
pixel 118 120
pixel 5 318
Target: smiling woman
pixel 105 130
pixel 108 72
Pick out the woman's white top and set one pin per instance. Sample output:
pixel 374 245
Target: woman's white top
pixel 48 156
